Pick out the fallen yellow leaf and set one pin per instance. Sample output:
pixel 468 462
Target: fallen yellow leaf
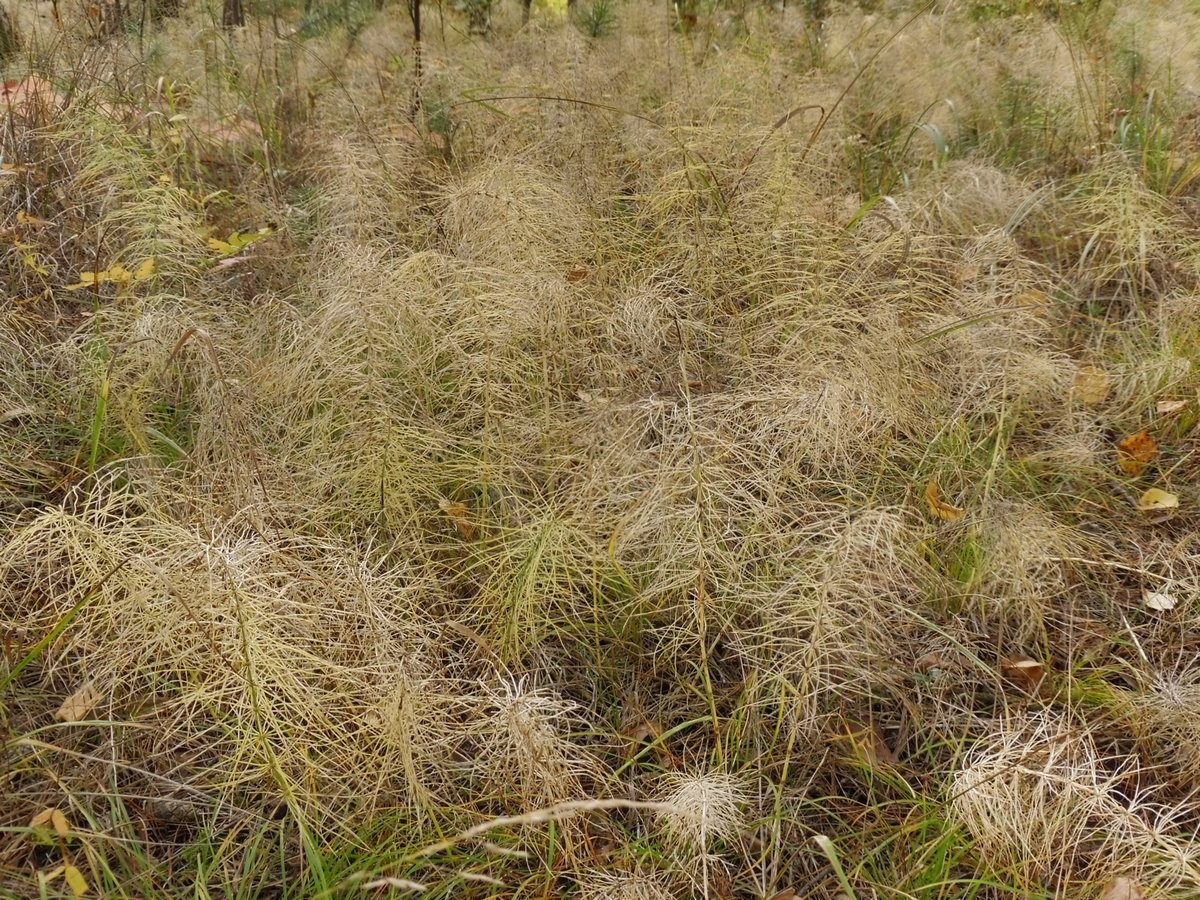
pixel 77 882
pixel 86 279
pixel 79 704
pixel 1092 384
pixel 24 218
pixel 939 507
pixel 1035 300
pixel 239 240
pixel 1136 452
pixel 115 273
pixel 222 247
pixel 1154 499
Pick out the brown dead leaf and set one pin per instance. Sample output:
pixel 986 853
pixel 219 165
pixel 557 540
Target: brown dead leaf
pixel 1171 407
pixel 965 273
pixel 460 515
pixel 1123 888
pixel 1024 671
pixel 79 704
pixel 939 507
pixel 867 743
pixel 577 274
pixel 935 662
pixel 410 134
pixel 644 732
pixel 1092 384
pixel 1155 500
pixel 1136 452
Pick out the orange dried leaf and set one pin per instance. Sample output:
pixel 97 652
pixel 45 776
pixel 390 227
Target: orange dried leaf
pixel 1136 452
pixel 79 704
pixel 577 274
pixel 939 507
pixel 1154 500
pixel 17 94
pixel 460 515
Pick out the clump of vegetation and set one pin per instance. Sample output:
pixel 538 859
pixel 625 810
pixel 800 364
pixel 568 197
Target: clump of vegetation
pixel 760 464
pixel 598 19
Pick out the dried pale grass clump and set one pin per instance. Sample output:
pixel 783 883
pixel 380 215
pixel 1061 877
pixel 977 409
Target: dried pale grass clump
pixel 1023 562
pixel 703 808
pixel 369 195
pixel 525 747
pixel 702 811
pixel 1132 243
pixel 968 197
pixel 510 216
pixel 289 639
pixel 1044 805
pixel 135 199
pixel 598 884
pixel 1164 710
pixel 824 632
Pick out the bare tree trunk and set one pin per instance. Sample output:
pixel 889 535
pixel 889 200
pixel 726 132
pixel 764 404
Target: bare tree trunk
pixel 233 14
pixel 414 13
pixel 10 38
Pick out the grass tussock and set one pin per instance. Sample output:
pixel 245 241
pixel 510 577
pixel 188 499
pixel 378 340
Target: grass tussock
pixel 740 453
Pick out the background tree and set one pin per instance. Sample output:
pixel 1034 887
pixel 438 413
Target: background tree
pixel 10 38
pixel 233 14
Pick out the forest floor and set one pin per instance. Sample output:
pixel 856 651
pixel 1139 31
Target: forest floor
pixel 703 450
